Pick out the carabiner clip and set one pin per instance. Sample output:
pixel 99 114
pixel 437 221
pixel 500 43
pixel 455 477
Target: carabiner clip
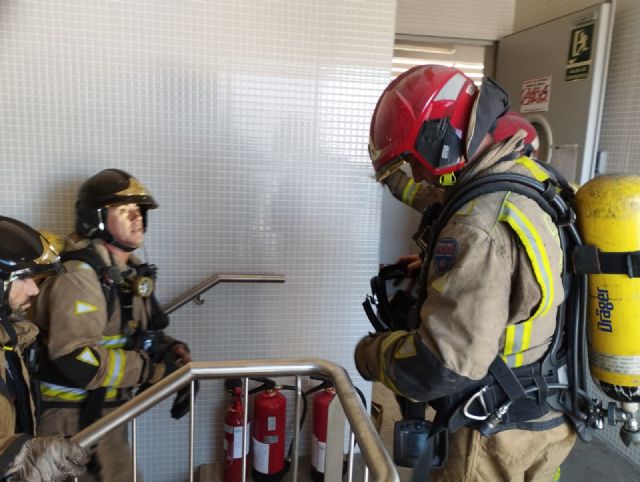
pixel 479 396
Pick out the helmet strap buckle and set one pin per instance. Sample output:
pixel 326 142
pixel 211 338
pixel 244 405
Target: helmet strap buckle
pixel 448 179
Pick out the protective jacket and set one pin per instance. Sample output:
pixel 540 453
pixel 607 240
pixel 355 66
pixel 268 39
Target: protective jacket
pixel 493 287
pixel 10 401
pixel 417 195
pixel 87 341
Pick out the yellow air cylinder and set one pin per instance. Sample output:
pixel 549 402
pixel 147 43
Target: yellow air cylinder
pixel 608 212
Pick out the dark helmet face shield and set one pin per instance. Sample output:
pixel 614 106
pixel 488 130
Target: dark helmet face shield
pixel 424 113
pixel 46 265
pixel 39 272
pixel 439 143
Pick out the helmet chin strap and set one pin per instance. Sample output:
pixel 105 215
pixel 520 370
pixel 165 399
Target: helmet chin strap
pixel 107 237
pixel 5 307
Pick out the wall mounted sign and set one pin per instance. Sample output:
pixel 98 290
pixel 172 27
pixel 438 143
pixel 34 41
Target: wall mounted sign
pixel 535 94
pixel 579 58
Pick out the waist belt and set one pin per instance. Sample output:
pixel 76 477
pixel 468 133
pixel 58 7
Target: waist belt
pixel 505 399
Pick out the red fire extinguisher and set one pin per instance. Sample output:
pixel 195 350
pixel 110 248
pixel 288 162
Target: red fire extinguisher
pixel 321 402
pixel 269 423
pixel 233 421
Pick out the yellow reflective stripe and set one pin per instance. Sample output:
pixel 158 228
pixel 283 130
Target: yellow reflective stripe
pixel 71 394
pixel 113 341
pixel 509 341
pixel 410 191
pixel 117 361
pixel 467 209
pixel 513 361
pixel 534 168
pixel 121 369
pixel 518 337
pixel 517 340
pixel 111 393
pixel 65 393
pixel 7 348
pixel 386 344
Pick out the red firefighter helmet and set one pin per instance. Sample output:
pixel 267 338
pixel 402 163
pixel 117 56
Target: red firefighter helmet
pixel 512 122
pixel 423 114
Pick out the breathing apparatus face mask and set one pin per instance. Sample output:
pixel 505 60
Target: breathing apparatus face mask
pixel 393 299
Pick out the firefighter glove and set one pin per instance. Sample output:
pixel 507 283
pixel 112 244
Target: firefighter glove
pixel 366 357
pixel 159 368
pixel 182 402
pixel 48 459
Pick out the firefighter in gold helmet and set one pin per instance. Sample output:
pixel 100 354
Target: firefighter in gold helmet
pixel 490 286
pixel 101 323
pixel 25 255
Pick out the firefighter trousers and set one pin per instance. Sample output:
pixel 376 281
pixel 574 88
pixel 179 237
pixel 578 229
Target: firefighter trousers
pixel 111 460
pixel 509 456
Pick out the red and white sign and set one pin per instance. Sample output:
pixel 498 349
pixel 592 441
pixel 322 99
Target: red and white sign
pixel 535 95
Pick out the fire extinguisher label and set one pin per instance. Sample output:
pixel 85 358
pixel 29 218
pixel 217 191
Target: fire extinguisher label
pixel 271 423
pixel 235 448
pixel 318 451
pixel 260 456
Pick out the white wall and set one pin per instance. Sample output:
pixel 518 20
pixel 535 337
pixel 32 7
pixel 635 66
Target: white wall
pixel 534 12
pixel 248 121
pixel 467 19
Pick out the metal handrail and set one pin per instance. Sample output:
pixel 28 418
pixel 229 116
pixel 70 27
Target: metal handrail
pixel 194 293
pixel 375 456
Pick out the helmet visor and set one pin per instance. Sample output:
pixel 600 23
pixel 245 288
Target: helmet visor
pixel 39 271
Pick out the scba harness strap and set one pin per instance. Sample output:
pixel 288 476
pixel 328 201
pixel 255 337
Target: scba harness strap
pixel 114 287
pixel 558 381
pixel 509 398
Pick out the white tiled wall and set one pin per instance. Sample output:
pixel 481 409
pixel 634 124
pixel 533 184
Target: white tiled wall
pixel 466 19
pixel 248 121
pixel 621 116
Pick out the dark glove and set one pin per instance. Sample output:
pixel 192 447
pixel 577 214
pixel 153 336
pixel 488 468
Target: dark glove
pixel 48 459
pixel 181 403
pixel 156 369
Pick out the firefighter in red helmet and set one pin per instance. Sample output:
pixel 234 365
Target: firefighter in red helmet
pixel 420 195
pixel 490 283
